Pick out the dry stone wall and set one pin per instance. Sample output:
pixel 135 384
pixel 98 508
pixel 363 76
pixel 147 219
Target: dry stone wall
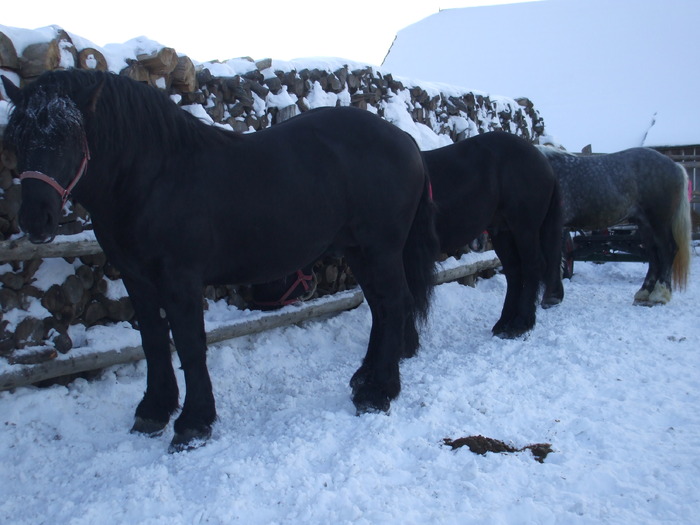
pixel 41 298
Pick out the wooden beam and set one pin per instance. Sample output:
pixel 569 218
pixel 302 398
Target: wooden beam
pixel 22 375
pixel 22 249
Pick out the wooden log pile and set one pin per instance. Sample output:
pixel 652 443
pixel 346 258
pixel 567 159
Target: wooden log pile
pixel 247 102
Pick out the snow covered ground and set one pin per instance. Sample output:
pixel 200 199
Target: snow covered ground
pixel 612 387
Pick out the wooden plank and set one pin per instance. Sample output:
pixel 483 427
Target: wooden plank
pixel 465 269
pixel 22 375
pixel 22 249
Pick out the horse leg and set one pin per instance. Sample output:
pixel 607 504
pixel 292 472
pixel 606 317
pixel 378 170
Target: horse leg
pixel 505 248
pixel 660 249
pixel 182 300
pixel 161 397
pixel 524 261
pixel 377 381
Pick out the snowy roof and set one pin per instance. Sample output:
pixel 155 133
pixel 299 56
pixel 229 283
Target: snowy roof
pixel 611 73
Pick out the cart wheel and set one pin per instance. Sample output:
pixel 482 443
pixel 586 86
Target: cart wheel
pixel 567 256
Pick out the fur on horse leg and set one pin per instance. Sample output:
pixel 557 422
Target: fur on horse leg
pixel 661 294
pixel 641 297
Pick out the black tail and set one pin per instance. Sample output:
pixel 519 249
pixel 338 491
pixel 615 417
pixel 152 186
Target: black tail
pixel 420 253
pixel 550 242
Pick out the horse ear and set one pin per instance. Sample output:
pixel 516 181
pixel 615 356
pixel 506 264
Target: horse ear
pixel 88 97
pixel 11 90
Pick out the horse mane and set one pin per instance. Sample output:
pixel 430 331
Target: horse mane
pixel 132 113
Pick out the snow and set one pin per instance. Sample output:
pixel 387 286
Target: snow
pixel 611 386
pixel 599 71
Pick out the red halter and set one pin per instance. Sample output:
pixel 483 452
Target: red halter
pixel 63 192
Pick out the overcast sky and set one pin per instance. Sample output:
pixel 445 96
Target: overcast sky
pixel 360 30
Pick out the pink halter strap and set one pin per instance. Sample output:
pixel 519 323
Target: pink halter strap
pixel 63 192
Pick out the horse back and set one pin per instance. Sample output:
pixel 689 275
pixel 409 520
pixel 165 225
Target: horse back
pixel 321 182
pixel 484 182
pixel 603 190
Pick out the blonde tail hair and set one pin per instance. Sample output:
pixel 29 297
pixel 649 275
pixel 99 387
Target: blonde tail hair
pixel 681 226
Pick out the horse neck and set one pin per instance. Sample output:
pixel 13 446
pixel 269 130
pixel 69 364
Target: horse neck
pixel 125 157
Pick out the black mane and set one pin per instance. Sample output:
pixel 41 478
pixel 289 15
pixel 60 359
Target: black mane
pixel 136 113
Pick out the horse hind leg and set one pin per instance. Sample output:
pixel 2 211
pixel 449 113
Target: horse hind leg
pixel 656 288
pixel 377 382
pixel 518 313
pixel 551 241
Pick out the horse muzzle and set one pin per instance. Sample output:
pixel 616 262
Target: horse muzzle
pixel 40 226
pixel 40 239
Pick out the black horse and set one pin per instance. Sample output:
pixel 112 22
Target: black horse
pixel 501 183
pixel 177 204
pixel 639 185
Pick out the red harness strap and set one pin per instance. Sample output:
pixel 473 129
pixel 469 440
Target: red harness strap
pixel 63 192
pixel 284 300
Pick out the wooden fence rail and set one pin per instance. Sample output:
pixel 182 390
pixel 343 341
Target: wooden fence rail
pixel 23 250
pixel 22 375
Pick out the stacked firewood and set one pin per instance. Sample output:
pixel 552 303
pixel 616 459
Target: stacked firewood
pixel 163 68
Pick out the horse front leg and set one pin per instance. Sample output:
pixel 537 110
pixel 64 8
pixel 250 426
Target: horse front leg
pixel 161 397
pixel 182 300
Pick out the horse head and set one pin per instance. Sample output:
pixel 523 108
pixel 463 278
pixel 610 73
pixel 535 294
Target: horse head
pixel 47 133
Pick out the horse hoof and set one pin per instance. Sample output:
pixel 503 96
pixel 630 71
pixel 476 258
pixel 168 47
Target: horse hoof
pixel 189 440
pixel 375 406
pixel 648 303
pixel 549 302
pixel 148 427
pixel 511 333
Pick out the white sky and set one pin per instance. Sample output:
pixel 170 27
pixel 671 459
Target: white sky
pixel 360 30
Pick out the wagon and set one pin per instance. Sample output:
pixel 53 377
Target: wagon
pixel 620 243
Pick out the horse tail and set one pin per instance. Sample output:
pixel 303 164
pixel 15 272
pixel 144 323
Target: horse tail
pixel 681 226
pixel 551 246
pixel 420 253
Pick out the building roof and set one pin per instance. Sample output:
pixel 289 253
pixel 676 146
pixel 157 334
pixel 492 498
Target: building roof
pixel 610 73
